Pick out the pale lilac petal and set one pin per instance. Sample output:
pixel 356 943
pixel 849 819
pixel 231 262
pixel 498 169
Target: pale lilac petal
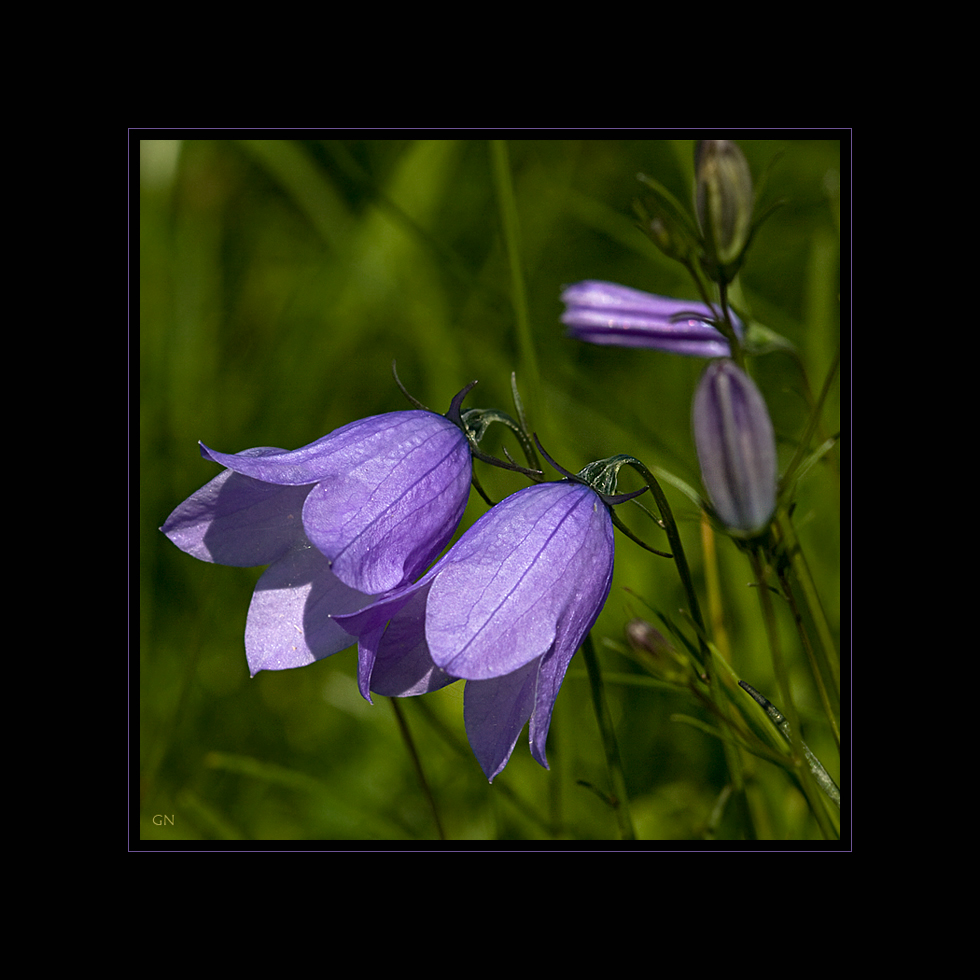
pixel 235 520
pixel 495 712
pixel 537 566
pixel 289 623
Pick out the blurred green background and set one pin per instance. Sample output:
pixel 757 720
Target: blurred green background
pixel 279 279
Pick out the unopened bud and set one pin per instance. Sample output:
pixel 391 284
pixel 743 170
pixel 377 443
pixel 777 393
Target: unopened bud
pixel 655 651
pixel 724 203
pixel 736 448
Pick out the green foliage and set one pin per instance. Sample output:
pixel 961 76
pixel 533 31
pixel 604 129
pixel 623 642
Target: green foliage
pixel 279 279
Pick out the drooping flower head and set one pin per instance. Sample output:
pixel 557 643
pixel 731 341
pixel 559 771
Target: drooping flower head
pixel 736 448
pixel 355 514
pixel 505 609
pixel 607 313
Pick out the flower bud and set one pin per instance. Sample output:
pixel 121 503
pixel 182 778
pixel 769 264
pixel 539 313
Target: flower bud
pixel 655 652
pixel 607 313
pixel 724 202
pixel 736 448
pixel 667 232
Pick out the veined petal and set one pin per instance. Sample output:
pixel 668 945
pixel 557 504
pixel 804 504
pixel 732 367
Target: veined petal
pixel 332 456
pixel 536 567
pixel 383 516
pixel 235 520
pixel 289 622
pixel 495 712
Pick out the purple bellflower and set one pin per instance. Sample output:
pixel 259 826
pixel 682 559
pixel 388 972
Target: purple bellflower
pixel 736 448
pixel 355 514
pixel 607 313
pixel 505 609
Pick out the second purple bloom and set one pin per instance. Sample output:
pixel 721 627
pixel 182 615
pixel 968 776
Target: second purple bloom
pixel 505 609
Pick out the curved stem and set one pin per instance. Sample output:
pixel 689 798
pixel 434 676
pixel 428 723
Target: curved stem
pixel 677 550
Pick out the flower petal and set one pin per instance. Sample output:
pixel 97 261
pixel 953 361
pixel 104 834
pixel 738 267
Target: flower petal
pixel 235 520
pixel 289 622
pixel 403 666
pixel 535 567
pixel 495 712
pixel 369 625
pixel 393 502
pixel 548 682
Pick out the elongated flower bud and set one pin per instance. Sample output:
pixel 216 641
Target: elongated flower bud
pixel 736 448
pixel 723 200
pixel 607 313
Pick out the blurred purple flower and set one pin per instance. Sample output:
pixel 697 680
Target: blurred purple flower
pixel 736 448
pixel 505 609
pixel 355 514
pixel 607 313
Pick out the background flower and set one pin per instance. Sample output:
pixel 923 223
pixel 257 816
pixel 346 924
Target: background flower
pixel 607 313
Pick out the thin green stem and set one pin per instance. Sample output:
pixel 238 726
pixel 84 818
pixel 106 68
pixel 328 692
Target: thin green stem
pixel 802 770
pixel 508 214
pixel 826 662
pixel 831 706
pixel 729 329
pixel 417 764
pixel 677 550
pixel 609 744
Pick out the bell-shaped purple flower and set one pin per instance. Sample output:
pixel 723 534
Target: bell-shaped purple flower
pixel 505 609
pixel 607 313
pixel 736 448
pixel 355 514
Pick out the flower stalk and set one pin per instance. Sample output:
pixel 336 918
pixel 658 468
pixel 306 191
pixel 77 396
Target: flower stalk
pixel 609 743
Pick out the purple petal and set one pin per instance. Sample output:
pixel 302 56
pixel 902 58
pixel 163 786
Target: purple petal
pixel 551 673
pixel 403 666
pixel 736 447
pixel 389 492
pixel 533 571
pixel 369 624
pixel 394 504
pixel 495 712
pixel 235 520
pixel 289 622
pixel 608 313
